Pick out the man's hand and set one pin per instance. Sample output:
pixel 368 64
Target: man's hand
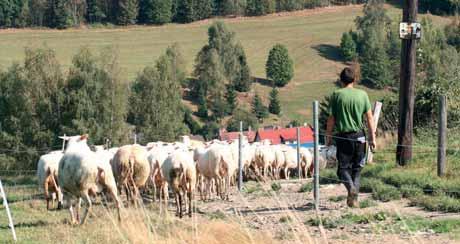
pixel 329 129
pixel 372 144
pixel 328 140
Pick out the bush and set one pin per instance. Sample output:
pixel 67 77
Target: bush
pixel 348 46
pixel 367 203
pixel 453 33
pixel 410 191
pixel 385 193
pixel 337 198
pixel 248 119
pixel 306 187
pixel 279 66
pixel 276 186
pixel 441 203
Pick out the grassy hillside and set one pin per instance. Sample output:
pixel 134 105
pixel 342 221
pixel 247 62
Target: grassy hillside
pixel 312 37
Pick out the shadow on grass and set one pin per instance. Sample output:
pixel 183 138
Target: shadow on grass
pixel 306 207
pixel 263 81
pixel 330 52
pixel 39 223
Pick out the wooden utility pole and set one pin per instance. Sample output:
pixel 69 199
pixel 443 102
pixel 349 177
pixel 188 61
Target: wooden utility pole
pixel 407 88
pixel 442 135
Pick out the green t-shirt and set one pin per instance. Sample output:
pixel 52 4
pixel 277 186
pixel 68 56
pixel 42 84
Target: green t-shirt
pixel 348 105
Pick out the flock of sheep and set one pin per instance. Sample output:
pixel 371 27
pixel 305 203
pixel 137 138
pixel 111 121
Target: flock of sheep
pixel 79 173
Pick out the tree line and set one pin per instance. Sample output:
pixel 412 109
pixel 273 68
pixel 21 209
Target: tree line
pixel 67 13
pixel 40 101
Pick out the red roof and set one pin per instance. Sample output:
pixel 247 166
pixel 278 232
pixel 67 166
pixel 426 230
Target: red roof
pixel 230 136
pixel 278 136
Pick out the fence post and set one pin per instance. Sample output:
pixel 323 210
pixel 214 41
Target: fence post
pixel 442 135
pixel 63 142
pixel 316 154
pixel 5 203
pixel 240 157
pixel 299 169
pixel 377 111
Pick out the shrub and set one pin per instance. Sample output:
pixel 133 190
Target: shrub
pixel 441 203
pixel 337 198
pixel 348 46
pixel 285 219
pixel 385 193
pixel 248 119
pixel 409 191
pixel 367 203
pixel 276 186
pixel 306 187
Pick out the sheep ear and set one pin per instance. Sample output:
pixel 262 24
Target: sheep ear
pixel 83 137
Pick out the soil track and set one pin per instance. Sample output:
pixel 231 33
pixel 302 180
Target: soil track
pixel 283 215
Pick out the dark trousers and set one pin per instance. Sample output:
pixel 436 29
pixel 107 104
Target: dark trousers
pixel 351 157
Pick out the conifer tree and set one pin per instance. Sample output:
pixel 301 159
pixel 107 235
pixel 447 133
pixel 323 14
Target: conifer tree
pixel 279 66
pixel 274 107
pixel 258 108
pixel 155 11
pixel 94 12
pixel 348 46
pixel 231 99
pixel 185 13
pixel 127 11
pixel 58 14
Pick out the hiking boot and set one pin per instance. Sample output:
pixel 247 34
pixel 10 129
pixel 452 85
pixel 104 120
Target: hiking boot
pixel 352 199
pixel 349 200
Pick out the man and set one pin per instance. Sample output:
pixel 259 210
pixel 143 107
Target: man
pixel 348 107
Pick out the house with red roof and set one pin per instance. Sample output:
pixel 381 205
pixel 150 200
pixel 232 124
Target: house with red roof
pixel 285 135
pixel 231 136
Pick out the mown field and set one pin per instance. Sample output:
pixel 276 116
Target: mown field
pixel 312 37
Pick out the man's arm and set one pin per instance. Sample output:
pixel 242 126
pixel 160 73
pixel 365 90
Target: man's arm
pixel 330 128
pixel 371 129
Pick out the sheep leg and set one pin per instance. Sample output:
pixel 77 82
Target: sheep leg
pixel 87 201
pixel 114 196
pixel 176 197
pixel 180 205
pixel 71 211
pixel 47 198
pixel 127 192
pixel 59 196
pixel 47 203
pixel 72 215
pixel 190 198
pixel 53 199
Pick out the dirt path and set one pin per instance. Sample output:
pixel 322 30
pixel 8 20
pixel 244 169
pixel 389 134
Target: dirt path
pixel 285 214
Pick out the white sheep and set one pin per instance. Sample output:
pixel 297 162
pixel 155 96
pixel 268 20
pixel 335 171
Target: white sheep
pixel 47 174
pixel 131 169
pixel 290 160
pixel 81 176
pixel 279 161
pixel 180 173
pixel 156 157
